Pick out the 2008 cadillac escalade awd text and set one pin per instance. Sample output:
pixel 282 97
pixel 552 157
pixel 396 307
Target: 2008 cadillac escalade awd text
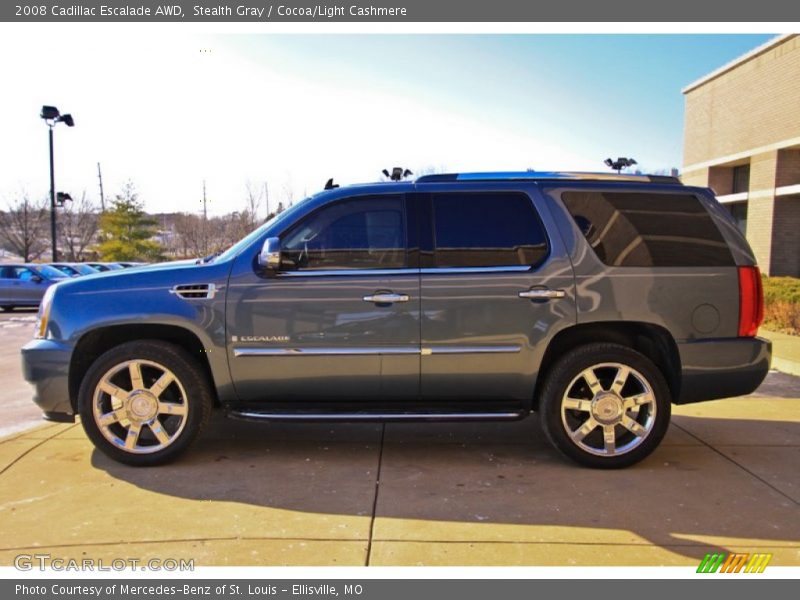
pixel 596 300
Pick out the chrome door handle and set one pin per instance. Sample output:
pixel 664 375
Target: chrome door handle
pixel 542 294
pixel 387 298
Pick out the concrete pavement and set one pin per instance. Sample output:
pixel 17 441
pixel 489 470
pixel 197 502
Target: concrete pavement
pixel 785 351
pixel 725 478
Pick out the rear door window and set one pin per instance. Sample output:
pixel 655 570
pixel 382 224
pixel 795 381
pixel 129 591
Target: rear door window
pixel 639 229
pixel 492 229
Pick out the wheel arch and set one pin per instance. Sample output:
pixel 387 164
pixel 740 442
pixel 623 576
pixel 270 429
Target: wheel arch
pixel 94 343
pixel 655 342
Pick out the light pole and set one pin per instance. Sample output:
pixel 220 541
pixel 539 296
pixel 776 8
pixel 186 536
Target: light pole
pixel 52 116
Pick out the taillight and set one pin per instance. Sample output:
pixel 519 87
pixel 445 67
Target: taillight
pixel 751 301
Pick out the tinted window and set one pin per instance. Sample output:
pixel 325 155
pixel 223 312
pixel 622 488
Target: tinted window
pixel 49 272
pixel 24 273
pixel 631 229
pixel 486 230
pixel 363 233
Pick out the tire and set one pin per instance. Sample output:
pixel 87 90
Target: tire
pixel 143 403
pixel 628 400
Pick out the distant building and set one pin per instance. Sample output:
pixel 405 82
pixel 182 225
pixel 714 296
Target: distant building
pixel 742 138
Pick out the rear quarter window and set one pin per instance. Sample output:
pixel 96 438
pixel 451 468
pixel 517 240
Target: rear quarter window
pixel 638 229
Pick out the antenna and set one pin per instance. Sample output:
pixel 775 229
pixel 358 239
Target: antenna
pixel 329 185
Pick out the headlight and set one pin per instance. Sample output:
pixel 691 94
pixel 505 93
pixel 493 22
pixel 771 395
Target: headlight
pixel 44 313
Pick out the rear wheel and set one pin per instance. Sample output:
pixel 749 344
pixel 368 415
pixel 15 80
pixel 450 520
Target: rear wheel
pixel 143 403
pixel 605 405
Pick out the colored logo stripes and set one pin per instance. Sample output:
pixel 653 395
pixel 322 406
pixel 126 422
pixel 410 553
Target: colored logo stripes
pixel 734 563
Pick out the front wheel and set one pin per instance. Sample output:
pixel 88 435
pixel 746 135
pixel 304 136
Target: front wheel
pixel 142 403
pixel 605 405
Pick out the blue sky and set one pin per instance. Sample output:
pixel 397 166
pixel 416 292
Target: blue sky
pixel 294 110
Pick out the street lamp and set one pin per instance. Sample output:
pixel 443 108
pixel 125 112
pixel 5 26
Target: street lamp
pixel 52 116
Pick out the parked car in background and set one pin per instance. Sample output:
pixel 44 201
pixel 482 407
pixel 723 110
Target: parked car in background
pixel 74 269
pixel 106 266
pixel 25 284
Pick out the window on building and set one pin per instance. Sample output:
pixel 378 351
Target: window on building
pixel 360 233
pixel 487 230
pixel 738 211
pixel 741 179
pixel 637 229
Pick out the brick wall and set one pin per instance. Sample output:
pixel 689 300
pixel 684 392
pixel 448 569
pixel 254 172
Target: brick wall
pixel 785 255
pixel 754 104
pixel 788 167
pixel 760 208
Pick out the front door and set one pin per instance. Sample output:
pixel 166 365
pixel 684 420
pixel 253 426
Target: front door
pixel 340 321
pixel 495 288
pixel 29 287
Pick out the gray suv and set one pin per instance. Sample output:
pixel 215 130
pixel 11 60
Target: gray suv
pixel 595 300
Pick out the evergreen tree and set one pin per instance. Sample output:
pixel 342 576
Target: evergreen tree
pixel 126 231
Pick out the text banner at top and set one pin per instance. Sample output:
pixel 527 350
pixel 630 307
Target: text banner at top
pixel 464 11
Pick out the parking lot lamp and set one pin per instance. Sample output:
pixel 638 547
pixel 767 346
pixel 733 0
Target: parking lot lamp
pixel 52 116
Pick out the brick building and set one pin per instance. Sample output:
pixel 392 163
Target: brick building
pixel 742 138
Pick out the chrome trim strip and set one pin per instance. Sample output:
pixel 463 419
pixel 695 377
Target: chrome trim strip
pixel 366 351
pixel 510 349
pixel 339 416
pixel 384 272
pixel 374 351
pixel 454 270
pixel 348 272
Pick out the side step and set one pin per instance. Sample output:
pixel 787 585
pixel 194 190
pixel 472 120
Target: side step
pixel 375 416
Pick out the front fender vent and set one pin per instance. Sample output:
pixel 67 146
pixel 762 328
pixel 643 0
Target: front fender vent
pixel 195 291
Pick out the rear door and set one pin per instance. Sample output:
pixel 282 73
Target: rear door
pixel 495 288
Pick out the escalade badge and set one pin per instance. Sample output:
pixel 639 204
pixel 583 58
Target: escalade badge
pixel 260 338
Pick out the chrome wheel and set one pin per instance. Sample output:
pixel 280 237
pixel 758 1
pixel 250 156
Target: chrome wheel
pixel 609 409
pixel 140 406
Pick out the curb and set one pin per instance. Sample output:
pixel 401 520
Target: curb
pixel 785 366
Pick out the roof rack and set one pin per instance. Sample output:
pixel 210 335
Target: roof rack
pixel 546 175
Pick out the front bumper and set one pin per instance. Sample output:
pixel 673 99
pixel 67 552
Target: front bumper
pixel 722 368
pixel 45 364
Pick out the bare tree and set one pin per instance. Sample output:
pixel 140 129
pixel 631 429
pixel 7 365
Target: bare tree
pixel 189 233
pixel 253 199
pixel 288 194
pixel 77 228
pixel 23 228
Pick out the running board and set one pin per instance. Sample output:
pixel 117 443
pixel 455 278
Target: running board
pixel 368 416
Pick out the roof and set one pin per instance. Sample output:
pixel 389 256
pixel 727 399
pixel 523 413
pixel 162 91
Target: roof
pixel 547 176
pixel 758 51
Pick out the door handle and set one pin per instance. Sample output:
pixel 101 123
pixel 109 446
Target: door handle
pixel 387 298
pixel 542 294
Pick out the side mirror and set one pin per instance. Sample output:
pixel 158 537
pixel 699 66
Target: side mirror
pixel 36 279
pixel 270 255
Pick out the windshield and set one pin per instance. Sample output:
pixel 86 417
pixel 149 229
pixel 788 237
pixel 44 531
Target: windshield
pixel 256 233
pixel 65 269
pixel 49 272
pixel 86 269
